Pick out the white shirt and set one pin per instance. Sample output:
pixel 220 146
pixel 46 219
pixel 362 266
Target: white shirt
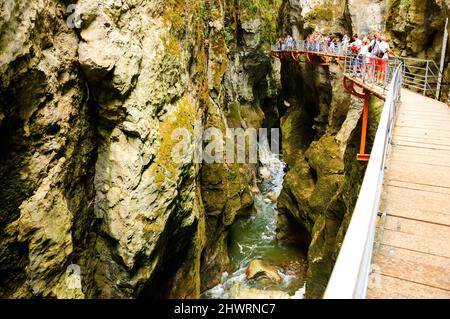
pixel 364 50
pixel 358 43
pixel 384 47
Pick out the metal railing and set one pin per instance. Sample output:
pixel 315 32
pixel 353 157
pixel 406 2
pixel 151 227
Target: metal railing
pixel 419 75
pixel 372 71
pixel 311 46
pixel 350 276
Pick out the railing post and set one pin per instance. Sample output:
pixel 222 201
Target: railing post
pixel 441 66
pixel 426 78
pixel 362 156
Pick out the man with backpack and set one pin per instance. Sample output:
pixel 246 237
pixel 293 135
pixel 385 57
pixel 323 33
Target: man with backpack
pixel 355 47
pixel 386 52
pixel 375 57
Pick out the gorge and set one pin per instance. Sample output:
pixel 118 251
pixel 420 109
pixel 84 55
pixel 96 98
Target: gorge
pixel 90 94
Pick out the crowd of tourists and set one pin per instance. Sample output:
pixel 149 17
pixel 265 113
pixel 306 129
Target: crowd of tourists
pixel 370 57
pixel 369 54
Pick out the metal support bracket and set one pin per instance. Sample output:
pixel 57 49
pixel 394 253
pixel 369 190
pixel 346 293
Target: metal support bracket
pixel 362 156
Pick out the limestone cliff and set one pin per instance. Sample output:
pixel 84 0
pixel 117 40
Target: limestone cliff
pixel 416 29
pixel 89 97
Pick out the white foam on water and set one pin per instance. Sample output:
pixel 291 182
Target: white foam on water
pixel 300 294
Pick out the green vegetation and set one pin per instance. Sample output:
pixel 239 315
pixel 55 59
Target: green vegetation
pixel 183 117
pixel 323 12
pixel 267 11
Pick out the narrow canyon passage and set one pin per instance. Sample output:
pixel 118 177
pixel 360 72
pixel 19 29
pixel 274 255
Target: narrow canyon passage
pixel 280 266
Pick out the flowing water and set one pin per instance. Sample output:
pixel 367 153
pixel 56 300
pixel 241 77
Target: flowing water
pixel 255 238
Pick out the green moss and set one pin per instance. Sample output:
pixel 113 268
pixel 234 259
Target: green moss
pixel 323 12
pixel 220 64
pixel 184 116
pixel 160 178
pixel 172 46
pixel 175 13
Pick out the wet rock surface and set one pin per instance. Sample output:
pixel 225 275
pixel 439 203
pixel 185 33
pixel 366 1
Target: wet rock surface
pixel 258 268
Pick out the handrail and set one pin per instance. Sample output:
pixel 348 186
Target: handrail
pixel 350 276
pixel 419 73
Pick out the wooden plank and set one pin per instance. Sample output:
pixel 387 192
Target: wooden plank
pixel 418 228
pixel 425 130
pixel 413 271
pixel 411 255
pixel 419 160
pixel 420 174
pixel 413 151
pixel 439 117
pixel 433 246
pixel 424 142
pixel 436 161
pixel 424 189
pixel 428 124
pixel 413 107
pixel 420 132
pixel 394 288
pixel 425 138
pixel 425 146
pixel 415 113
pixel 430 217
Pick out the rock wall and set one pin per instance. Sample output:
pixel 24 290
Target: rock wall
pixel 89 97
pixel 47 151
pixel 416 29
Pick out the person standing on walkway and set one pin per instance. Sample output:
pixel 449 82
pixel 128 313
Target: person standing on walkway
pixel 290 42
pixel 364 57
pixel 375 57
pixel 387 52
pixel 355 48
pixel 327 42
pixel 333 44
pixel 345 43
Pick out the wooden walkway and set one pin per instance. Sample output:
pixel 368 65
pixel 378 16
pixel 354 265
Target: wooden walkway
pixel 412 252
pixel 374 89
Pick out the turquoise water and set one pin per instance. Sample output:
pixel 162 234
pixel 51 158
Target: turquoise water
pixel 254 237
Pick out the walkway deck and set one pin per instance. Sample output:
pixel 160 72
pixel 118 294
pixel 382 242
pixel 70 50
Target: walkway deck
pixel 374 89
pixel 413 257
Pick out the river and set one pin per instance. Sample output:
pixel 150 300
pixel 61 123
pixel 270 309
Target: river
pixel 255 237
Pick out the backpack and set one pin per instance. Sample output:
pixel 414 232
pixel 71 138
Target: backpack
pixel 380 54
pixel 354 48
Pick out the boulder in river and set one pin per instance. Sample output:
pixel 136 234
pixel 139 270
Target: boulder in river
pixel 273 196
pixel 260 269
